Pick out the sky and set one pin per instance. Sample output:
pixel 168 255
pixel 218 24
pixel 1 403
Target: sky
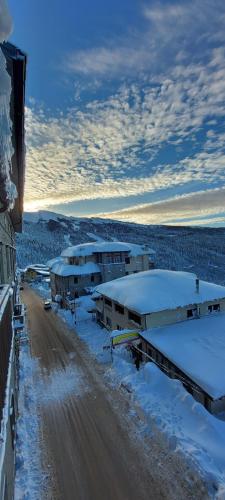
pixel 125 108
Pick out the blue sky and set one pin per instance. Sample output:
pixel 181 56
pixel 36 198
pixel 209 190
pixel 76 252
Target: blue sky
pixel 125 108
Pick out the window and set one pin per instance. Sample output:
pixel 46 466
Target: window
pixel 127 260
pixel 134 317
pixel 117 258
pixel 118 327
pixel 119 309
pixel 92 278
pixel 76 280
pixel 214 307
pixel 108 302
pixel 108 321
pixel 192 313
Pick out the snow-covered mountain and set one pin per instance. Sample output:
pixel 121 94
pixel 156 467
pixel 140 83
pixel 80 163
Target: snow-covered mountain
pixel 200 250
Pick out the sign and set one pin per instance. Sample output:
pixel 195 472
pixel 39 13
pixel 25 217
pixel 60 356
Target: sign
pixel 123 338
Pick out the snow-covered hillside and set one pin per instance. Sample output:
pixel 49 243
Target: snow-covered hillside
pixel 200 250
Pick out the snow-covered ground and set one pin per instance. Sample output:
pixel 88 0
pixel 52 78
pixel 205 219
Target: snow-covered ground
pixel 167 406
pixel 30 478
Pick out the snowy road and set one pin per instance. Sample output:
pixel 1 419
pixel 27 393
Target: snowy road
pixel 87 446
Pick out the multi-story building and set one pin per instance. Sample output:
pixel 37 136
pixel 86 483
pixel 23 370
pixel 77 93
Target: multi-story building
pixel 156 298
pixel 12 87
pixel 87 265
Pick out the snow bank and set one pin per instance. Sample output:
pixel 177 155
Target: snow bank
pixel 30 480
pixel 158 290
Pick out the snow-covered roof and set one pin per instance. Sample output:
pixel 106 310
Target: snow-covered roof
pixel 158 289
pixel 197 347
pixel 51 262
pixel 62 269
pixel 86 249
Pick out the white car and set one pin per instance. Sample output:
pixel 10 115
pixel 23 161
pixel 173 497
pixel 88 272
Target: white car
pixel 47 304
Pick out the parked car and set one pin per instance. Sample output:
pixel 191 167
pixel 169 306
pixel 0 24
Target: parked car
pixel 47 304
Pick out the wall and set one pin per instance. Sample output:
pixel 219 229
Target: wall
pixel 115 318
pixel 7 249
pixel 139 263
pixel 169 317
pixel 62 284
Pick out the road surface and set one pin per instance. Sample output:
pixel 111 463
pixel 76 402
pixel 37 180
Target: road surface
pixel 88 445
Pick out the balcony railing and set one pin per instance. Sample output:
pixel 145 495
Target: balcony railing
pixel 6 335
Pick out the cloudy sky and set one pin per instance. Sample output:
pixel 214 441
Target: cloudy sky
pixel 125 108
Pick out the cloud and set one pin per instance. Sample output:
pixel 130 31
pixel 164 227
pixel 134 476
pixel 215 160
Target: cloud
pixel 5 21
pixel 203 207
pixel 158 133
pixel 171 33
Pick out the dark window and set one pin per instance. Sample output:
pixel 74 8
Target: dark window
pixel 92 278
pixel 118 327
pixel 214 307
pixel 119 309
pixel 108 321
pixel 108 302
pixel 127 260
pixel 192 313
pixel 75 280
pixel 134 317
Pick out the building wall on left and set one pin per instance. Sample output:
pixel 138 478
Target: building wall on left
pixel 7 249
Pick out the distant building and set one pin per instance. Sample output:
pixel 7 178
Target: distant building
pixel 87 265
pixel 155 298
pixel 35 272
pixel 12 164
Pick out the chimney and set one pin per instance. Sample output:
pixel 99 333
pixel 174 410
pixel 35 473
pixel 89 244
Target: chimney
pixel 197 285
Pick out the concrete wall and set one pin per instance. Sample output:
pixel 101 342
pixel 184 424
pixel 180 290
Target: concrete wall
pixel 137 264
pixel 169 317
pixel 7 249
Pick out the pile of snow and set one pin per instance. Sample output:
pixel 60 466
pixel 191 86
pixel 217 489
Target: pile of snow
pixel 158 290
pixel 30 480
pixel 56 260
pixel 87 249
pixel 60 384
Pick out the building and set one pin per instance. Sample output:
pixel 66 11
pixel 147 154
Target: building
pixel 12 165
pixel 156 298
pixel 194 352
pixel 35 272
pixel 87 265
